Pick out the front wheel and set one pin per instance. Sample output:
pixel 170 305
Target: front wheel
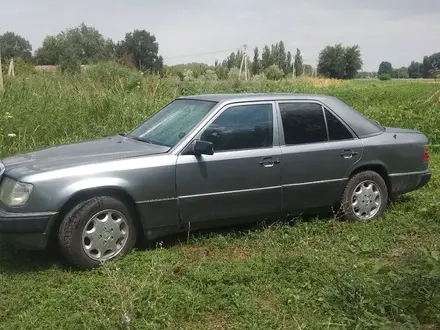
pixel 365 197
pixel 97 230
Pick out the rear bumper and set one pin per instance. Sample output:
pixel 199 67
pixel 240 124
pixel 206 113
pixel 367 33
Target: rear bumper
pixel 402 183
pixel 27 230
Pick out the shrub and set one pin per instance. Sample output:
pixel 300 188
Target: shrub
pixel 274 73
pixel 234 73
pixel 384 76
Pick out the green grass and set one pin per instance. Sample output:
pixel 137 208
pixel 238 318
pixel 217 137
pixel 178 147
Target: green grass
pixel 299 274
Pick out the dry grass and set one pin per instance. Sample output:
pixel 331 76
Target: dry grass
pixel 323 82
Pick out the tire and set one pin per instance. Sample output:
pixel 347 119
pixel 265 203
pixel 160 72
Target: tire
pixel 98 215
pixel 373 188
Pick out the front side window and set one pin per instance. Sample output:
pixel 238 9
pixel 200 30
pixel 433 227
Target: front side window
pixel 303 122
pixel 168 126
pixel 242 127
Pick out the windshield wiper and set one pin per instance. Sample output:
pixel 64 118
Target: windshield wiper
pixel 140 139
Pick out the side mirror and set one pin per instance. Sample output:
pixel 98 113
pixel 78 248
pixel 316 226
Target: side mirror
pixel 203 148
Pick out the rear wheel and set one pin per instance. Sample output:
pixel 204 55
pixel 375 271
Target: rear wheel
pixel 97 230
pixel 365 197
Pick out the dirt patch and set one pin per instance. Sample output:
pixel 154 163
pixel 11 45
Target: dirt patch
pixel 396 252
pixel 196 249
pixel 269 300
pixel 213 321
pixel 239 252
pixel 430 327
pixel 230 252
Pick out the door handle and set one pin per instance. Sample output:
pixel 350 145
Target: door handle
pixel 268 161
pixel 348 153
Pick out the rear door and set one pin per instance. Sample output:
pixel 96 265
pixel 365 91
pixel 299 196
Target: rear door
pixel 318 151
pixel 243 177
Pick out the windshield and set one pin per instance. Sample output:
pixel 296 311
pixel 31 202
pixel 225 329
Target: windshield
pixel 169 125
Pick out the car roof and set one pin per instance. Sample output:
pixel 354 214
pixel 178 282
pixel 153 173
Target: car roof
pixel 361 125
pixel 244 97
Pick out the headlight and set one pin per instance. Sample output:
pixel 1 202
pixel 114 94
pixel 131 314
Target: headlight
pixel 14 193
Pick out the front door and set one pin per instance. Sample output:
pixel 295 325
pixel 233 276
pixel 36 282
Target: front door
pixel 243 177
pixel 318 152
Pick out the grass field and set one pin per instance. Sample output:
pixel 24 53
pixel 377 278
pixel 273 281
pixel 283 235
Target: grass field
pixel 295 274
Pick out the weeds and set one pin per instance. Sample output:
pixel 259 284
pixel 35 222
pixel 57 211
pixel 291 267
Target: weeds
pixel 294 274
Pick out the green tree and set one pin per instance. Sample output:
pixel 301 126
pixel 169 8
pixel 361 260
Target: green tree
pixel 415 70
pixel 280 56
pixel 289 66
pixel 50 52
pixel 299 69
pixel 229 62
pixel 401 73
pixel 14 45
pixel 69 62
pixel 431 64
pixel 266 60
pixel 353 61
pixel 143 48
pixel 273 72
pixel 86 44
pixel 331 62
pixel 385 68
pixel 222 72
pixel 308 70
pixel 256 63
pixel 233 60
pixel 340 62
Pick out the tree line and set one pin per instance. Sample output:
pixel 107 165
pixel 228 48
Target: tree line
pixel 139 49
pixel 84 45
pixel 429 68
pixel 276 62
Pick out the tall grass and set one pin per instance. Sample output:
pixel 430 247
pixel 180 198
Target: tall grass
pixel 299 274
pixel 48 109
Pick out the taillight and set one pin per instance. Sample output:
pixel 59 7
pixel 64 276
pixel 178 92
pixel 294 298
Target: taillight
pixel 426 154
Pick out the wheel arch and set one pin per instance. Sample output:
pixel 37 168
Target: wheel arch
pixel 87 193
pixel 378 167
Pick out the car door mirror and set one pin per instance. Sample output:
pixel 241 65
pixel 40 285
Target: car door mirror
pixel 203 148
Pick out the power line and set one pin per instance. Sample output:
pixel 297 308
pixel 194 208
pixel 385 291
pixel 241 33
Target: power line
pixel 198 54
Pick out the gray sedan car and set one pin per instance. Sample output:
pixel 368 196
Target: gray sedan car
pixel 204 161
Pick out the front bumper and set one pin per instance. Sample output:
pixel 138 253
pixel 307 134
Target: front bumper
pixel 27 230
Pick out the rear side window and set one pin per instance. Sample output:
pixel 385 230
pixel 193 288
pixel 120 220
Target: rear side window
pixel 336 130
pixel 303 123
pixel 242 127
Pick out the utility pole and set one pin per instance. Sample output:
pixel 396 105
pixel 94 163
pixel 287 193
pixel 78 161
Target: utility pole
pixel 293 65
pixel 1 71
pixel 244 64
pixel 11 70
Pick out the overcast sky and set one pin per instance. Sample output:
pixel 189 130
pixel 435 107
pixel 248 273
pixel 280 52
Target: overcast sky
pixel 394 30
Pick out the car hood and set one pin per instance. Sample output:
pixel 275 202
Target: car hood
pixel 81 153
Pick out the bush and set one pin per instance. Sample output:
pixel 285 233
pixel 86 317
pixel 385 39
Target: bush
pixel 188 75
pixel 274 72
pixel 22 67
pixel 234 73
pixel 384 76
pixel 69 63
